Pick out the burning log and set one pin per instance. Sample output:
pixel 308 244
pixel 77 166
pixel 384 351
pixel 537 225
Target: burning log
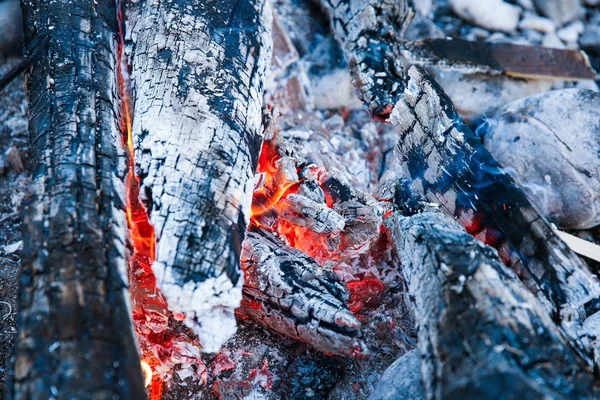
pixel 289 292
pixel 448 165
pixel 75 337
pixel 481 333
pixel 369 32
pixel 197 71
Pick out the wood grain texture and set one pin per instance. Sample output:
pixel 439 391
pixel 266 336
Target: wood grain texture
pixel 482 334
pixel 75 337
pixel 500 59
pixel 448 165
pixel 197 71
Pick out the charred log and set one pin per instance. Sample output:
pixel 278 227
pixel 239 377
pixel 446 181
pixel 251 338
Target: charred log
pixel 369 33
pixel 75 337
pixel 290 293
pixel 197 71
pixel 500 59
pixel 449 166
pixel 481 333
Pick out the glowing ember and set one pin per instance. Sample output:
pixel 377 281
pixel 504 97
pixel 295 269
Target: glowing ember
pixel 147 373
pixel 277 207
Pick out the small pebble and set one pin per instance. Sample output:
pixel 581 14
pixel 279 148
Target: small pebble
pixel 540 24
pixel 571 32
pixel 494 15
pixel 551 40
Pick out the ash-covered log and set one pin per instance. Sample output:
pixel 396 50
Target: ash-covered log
pixel 75 336
pixel 482 334
pixel 448 165
pixel 291 293
pixel 197 71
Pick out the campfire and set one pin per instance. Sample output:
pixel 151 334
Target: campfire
pixel 300 199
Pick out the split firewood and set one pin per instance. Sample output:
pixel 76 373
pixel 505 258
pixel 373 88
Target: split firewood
pixel 369 32
pixel 75 337
pixel 500 59
pixel 197 71
pixel 448 165
pixel 481 333
pixel 291 293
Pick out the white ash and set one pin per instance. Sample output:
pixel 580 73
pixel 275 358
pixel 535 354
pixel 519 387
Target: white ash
pixel 551 142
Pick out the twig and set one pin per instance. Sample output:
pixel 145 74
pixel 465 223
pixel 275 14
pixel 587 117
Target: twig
pixel 8 216
pixel 4 317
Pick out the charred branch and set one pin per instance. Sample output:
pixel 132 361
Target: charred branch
pixel 369 33
pixel 481 333
pixel 290 293
pixel 500 59
pixel 75 337
pixel 197 70
pixel 448 165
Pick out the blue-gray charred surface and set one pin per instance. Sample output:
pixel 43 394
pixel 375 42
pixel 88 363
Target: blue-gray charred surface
pixel 481 333
pixel 197 73
pixel 448 165
pixel 75 337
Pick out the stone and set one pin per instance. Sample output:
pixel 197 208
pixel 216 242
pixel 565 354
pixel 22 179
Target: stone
pixel 494 15
pixel 550 143
pixel 402 380
pixel 553 41
pixel 560 11
pixel 591 34
pixel 479 96
pixel 540 24
pixel 571 32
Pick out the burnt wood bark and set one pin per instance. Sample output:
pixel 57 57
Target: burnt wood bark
pixel 500 59
pixel 75 337
pixel 448 165
pixel 291 293
pixel 197 70
pixel 482 334
pixel 369 33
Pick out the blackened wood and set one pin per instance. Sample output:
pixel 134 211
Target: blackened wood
pixel 482 334
pixel 291 293
pixel 75 337
pixel 197 71
pixel 500 59
pixel 449 165
pixel 369 33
